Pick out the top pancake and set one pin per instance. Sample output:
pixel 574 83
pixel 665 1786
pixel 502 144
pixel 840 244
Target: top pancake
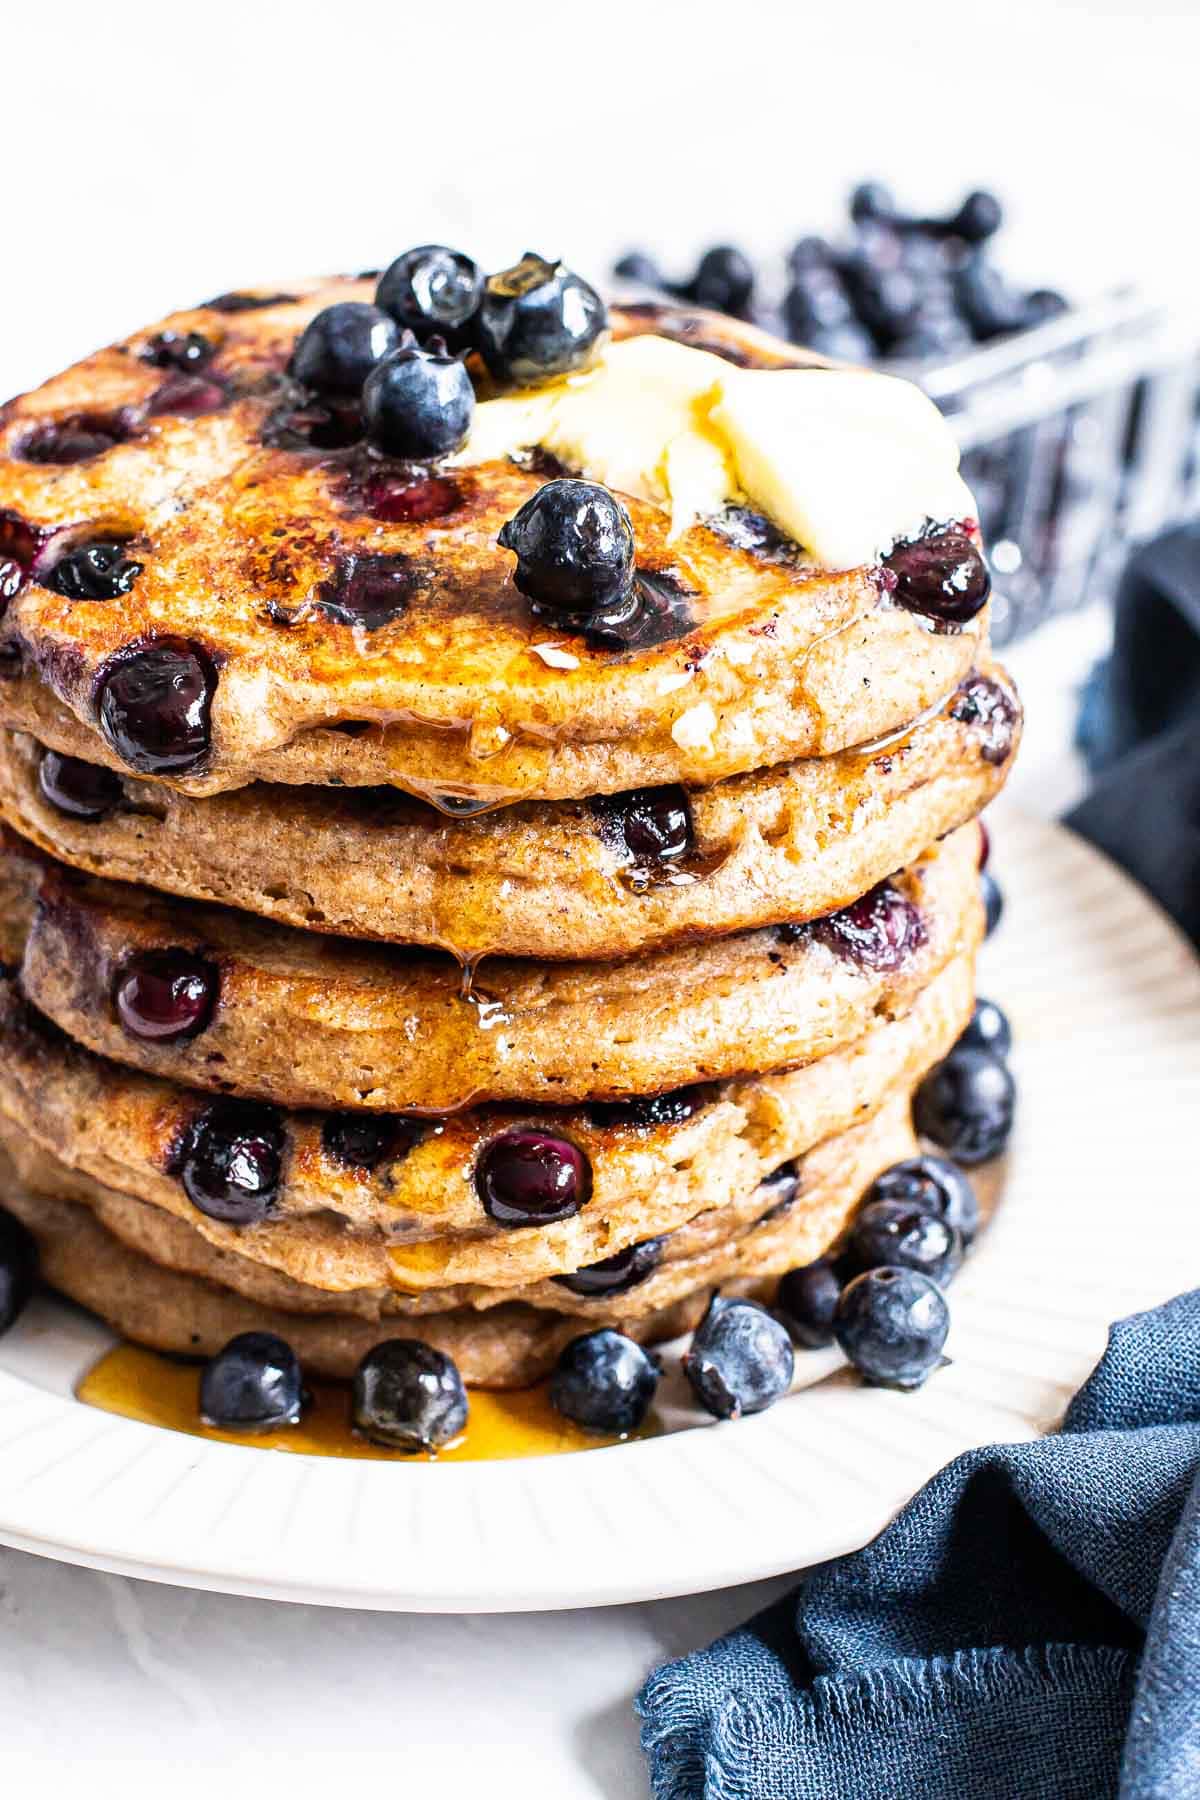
pixel 239 539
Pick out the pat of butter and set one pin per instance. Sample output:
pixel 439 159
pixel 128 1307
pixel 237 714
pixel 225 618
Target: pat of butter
pixel 842 460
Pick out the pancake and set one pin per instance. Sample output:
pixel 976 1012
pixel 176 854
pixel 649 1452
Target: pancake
pixel 552 881
pixel 246 536
pixel 307 1021
pixel 675 1294
pixel 416 1220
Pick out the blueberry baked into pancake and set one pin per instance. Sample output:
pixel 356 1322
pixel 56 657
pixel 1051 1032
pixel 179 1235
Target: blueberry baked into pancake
pixel 489 857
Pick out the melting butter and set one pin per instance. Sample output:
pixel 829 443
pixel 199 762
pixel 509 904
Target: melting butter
pixel 842 460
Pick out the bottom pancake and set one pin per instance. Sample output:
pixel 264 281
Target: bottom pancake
pixel 176 1292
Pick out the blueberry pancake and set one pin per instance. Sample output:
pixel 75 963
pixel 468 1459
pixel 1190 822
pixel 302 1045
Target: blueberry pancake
pixel 575 879
pixel 227 558
pixel 142 1291
pixel 494 1196
pixel 227 1003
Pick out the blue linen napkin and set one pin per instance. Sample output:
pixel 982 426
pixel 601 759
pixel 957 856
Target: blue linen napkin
pixel 1028 1628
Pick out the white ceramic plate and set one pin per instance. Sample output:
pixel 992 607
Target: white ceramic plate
pixel 1096 1221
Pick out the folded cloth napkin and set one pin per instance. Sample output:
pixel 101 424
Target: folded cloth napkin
pixel 1140 729
pixel 1028 1628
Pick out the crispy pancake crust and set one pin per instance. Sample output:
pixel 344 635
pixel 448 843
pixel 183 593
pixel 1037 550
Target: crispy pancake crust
pixel 552 880
pixel 307 1021
pixel 239 539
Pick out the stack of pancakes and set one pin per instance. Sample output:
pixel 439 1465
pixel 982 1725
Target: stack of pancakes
pixel 380 961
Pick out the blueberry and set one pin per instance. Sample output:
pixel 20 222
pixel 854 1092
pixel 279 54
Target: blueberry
pixel 648 825
pixel 432 290
pixel 931 335
pixel 409 1396
pixel 574 546
pixel 166 996
pixel 231 1161
pixel 872 200
pixel 724 281
pixel 369 591
pixel 842 343
pixel 815 301
pixel 538 320
pixel 887 302
pixel 809 253
pixel 253 1384
pixel 893 1234
pixel 966 1105
pixel 155 703
pixel 990 713
pixel 993 901
pixel 187 396
pixel 80 790
pixel 989 1030
pixel 77 438
pixel 807 1298
pixel 604 1382
pixel 892 1324
pixel 96 571
pixel 337 349
pixel 365 1140
pixel 646 1111
pixel 642 270
pixel 878 932
pixel 176 350
pixel 979 217
pixel 741 1359
pixel 933 1184
pixel 1041 305
pixel 418 403
pixel 615 1274
pixel 941 575
pixel 988 303
pixel 18 1269
pixel 528 1177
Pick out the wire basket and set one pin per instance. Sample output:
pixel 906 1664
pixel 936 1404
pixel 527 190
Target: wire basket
pixel 1080 439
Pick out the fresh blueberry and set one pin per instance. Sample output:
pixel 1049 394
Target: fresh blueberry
pixel 615 1274
pixel 528 1177
pixel 166 996
pixel 96 571
pixel 574 546
pixel 807 1299
pixel 155 704
pixel 990 306
pixel 418 403
pixel 188 350
pixel 879 931
pixel 872 201
pixel 642 270
pixel 966 1105
pixel 337 349
pixel 231 1161
pixel 989 1030
pixel 253 1384
pixel 941 575
pixel 933 1184
pixel 841 343
pixel 892 1324
pixel 893 1234
pixel 815 301
pixel 538 320
pixel 604 1382
pixel 979 217
pixel 929 335
pixel 989 711
pixel 647 825
pixel 741 1359
pixel 365 1140
pixel 809 253
pixel 432 290
pixel 1041 305
pixel 80 790
pixel 409 1396
pixel 993 901
pixel 724 281
pixel 18 1269
pixel 887 302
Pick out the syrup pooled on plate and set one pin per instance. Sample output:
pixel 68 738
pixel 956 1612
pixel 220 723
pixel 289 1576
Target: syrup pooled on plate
pixel 141 1384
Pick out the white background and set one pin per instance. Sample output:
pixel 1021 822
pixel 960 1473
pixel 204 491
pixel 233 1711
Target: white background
pixel 158 154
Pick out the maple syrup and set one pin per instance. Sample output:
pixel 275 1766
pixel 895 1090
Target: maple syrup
pixel 154 1389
